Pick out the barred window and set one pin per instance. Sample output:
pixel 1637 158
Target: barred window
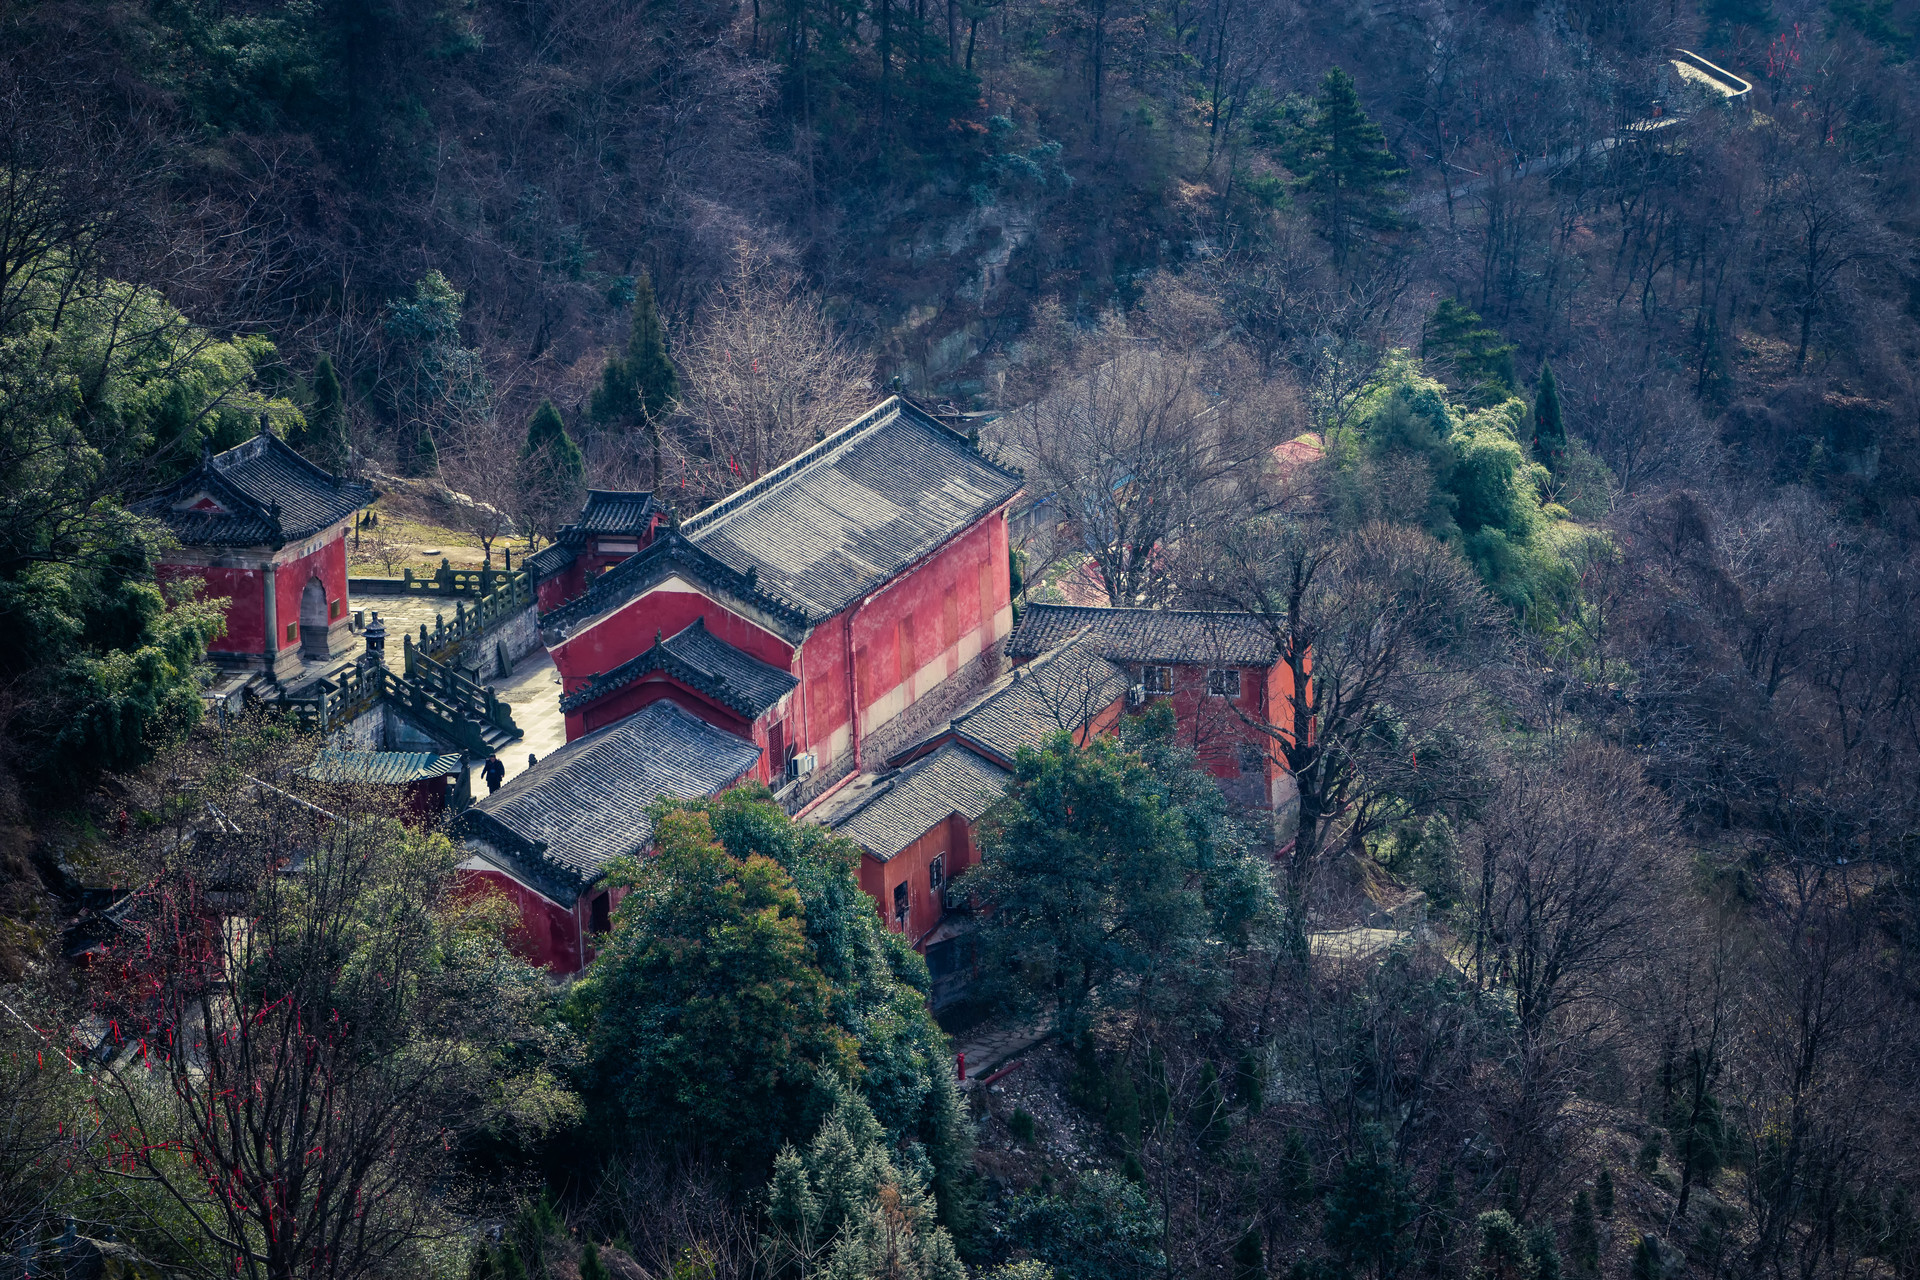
pixel 1224 682
pixel 1157 679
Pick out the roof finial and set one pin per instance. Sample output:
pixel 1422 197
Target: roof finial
pixel 656 637
pixel 266 426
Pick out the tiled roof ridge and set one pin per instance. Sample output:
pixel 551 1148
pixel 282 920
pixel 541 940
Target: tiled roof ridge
pixel 826 450
pixel 659 656
pixel 267 442
pixel 608 590
pixel 1159 613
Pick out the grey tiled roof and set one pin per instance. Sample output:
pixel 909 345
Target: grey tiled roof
pixel 700 659
pixel 555 557
pixel 900 809
pixel 1061 692
pixel 270 495
pixel 1146 635
pixel 390 768
pixel 616 511
pixel 580 807
pixel 849 513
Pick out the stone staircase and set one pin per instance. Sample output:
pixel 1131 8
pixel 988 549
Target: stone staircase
pixel 460 711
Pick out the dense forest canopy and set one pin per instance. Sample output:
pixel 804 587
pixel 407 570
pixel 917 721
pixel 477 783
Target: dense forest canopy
pixel 1539 376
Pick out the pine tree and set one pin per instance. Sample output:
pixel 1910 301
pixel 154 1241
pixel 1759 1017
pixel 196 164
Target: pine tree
pixel 1368 1211
pixel 1480 364
pixel 1351 179
pixel 655 383
pixel 1544 1251
pixel 591 1268
pixel 1549 428
pixel 554 468
pixel 325 439
pixel 1249 1259
pixel 1503 1251
pixel 511 1268
pixel 1603 1194
pixel 1647 1160
pixel 1583 1236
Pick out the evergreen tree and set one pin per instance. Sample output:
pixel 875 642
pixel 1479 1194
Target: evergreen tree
pixel 1480 364
pixel 1368 1211
pixel 555 470
pixel 655 384
pixel 1543 1250
pixel 640 386
pixel 1503 1251
pixel 591 1268
pixel 1249 1259
pixel 1646 1161
pixel 325 438
pixel 1352 181
pixel 1549 428
pixel 1603 1194
pixel 1583 1236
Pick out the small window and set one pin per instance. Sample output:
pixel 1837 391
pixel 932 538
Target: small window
pixel 1253 760
pixel 1224 682
pixel 293 632
pixel 937 872
pixel 1157 679
pixel 601 917
pixel 902 897
pixel 334 608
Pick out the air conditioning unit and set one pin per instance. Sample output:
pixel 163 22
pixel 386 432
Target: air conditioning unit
pixel 800 765
pixel 1136 695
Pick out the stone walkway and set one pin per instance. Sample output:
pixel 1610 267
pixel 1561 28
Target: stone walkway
pixel 1353 944
pixel 533 691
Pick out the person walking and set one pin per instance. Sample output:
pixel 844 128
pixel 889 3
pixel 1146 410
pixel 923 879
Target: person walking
pixel 495 772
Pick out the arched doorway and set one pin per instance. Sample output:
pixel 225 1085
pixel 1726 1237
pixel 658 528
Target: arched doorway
pixel 313 620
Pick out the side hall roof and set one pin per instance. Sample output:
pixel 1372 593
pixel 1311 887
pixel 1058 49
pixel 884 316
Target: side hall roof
pixel 258 493
pixel 617 511
pixel 564 819
pixel 1146 635
pixel 703 661
pixel 899 809
pixel 1061 692
pixel 822 530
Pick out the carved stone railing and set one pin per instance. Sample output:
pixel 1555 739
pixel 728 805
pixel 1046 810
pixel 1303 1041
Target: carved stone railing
pixel 445 581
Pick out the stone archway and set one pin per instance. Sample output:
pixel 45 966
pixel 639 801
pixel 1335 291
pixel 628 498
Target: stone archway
pixel 313 620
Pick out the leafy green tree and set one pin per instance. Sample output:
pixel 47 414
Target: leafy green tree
pixel 1351 180
pixel 1103 1227
pixel 1101 892
pixel 880 985
pixel 1369 1209
pixel 709 1025
pixel 554 471
pixel 1549 424
pixel 848 1207
pixel 1478 364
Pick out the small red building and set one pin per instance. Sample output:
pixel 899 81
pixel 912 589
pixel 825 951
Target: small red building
pixel 614 524
pixel 544 840
pixel 264 528
pixel 914 823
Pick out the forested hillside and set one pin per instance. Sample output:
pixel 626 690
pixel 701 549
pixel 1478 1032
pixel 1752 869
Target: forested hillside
pixel 1543 379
